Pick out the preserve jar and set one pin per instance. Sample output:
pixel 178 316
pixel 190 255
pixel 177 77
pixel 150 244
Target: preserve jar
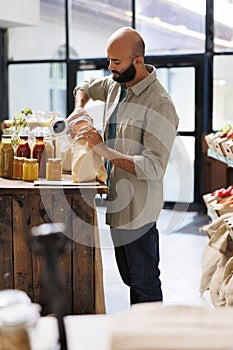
pixel 49 146
pixel 39 153
pixel 76 124
pixel 30 169
pixel 18 168
pixel 23 148
pixel 54 169
pixel 17 321
pixel 6 157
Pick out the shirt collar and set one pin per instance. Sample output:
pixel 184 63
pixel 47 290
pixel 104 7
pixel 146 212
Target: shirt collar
pixel 143 84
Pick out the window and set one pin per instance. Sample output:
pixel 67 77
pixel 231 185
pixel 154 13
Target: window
pixel 223 26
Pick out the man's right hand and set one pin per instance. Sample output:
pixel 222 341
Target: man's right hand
pixel 77 112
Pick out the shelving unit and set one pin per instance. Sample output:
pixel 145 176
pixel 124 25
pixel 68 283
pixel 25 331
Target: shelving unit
pixel 217 156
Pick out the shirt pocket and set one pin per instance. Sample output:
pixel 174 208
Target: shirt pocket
pixel 130 136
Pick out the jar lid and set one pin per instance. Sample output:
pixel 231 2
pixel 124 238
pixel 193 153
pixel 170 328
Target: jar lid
pixel 20 314
pixel 12 297
pixel 54 160
pixel 6 136
pixel 19 159
pixel 59 126
pixel 30 160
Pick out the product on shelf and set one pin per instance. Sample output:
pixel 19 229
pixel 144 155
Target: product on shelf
pixel 221 142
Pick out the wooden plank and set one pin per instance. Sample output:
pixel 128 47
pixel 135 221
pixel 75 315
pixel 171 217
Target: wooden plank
pixel 62 213
pixel 6 261
pixel 21 253
pixel 38 216
pixel 83 255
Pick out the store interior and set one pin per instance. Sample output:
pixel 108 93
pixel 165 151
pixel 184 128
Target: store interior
pixel 46 48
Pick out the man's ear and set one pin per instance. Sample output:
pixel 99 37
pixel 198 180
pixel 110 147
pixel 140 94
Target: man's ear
pixel 139 60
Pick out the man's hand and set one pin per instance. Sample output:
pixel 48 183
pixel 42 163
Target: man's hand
pixel 77 112
pixel 90 135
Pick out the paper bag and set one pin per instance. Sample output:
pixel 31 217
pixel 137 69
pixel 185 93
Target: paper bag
pixel 86 164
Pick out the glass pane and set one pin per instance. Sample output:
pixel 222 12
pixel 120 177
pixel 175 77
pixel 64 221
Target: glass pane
pixel 179 177
pixel 174 26
pixel 41 87
pixel 223 91
pixel 223 25
pixel 93 22
pixel 43 42
pixel 176 80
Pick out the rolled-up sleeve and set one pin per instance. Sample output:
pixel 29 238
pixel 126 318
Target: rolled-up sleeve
pixel 158 139
pixel 96 89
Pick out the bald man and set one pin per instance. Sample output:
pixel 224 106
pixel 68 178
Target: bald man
pixel 139 128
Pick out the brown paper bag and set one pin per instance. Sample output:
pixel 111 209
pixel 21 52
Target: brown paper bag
pixel 218 276
pixel 86 164
pixel 210 259
pixel 217 246
pixel 226 291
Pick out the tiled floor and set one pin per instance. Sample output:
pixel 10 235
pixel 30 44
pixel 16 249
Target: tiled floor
pixel 181 247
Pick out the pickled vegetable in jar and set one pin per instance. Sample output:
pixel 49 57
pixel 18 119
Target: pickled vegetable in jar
pixel 6 157
pixel 23 148
pixel 39 153
pixel 18 168
pixel 54 169
pixel 30 169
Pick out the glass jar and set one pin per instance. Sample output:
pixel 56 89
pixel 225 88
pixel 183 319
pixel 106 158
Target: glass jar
pixel 54 169
pixel 23 148
pixel 6 157
pixel 14 337
pixel 39 153
pixel 49 146
pixel 30 169
pixel 18 168
pixel 76 124
pixel 17 321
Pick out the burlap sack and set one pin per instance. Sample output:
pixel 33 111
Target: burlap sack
pixel 86 164
pixel 218 276
pixel 210 259
pixel 212 252
pixel 217 226
pixel 226 290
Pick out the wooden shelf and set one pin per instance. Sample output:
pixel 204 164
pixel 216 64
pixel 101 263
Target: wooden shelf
pixel 217 156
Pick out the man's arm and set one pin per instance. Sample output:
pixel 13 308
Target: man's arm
pixel 81 99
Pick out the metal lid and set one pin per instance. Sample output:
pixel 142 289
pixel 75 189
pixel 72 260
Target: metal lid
pixel 59 126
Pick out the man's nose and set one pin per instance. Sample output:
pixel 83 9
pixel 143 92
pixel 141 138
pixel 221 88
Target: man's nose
pixel 111 65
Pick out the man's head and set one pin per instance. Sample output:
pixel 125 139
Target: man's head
pixel 125 49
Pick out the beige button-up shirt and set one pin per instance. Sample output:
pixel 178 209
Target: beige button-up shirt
pixel 146 128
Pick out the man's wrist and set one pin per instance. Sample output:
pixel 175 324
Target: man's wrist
pixel 78 108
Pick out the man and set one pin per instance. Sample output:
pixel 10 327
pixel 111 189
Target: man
pixel 139 129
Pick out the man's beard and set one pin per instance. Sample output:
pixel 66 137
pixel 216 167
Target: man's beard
pixel 126 76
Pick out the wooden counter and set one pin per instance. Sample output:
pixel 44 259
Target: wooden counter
pixel 23 206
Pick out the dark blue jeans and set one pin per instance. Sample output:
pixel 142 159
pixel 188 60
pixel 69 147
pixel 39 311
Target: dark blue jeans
pixel 137 257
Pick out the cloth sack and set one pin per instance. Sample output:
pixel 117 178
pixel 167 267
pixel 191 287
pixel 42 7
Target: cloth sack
pixel 86 164
pixel 214 250
pixel 218 276
pixel 226 290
